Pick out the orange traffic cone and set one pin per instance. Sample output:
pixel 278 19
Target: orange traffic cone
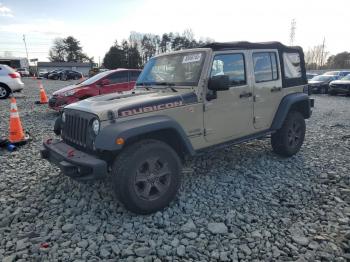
pixel 43 96
pixel 16 131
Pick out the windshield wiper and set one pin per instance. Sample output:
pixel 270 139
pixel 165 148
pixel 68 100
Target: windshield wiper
pixel 143 84
pixel 167 84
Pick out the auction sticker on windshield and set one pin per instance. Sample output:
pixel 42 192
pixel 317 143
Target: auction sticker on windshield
pixel 192 58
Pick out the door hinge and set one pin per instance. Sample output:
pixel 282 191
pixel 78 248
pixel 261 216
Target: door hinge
pixel 254 120
pixel 254 98
pixel 203 107
pixel 204 132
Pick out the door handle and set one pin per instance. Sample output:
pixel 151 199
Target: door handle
pixel 276 89
pixel 245 94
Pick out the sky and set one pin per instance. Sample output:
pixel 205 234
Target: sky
pixel 97 24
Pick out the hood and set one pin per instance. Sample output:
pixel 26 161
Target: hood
pixel 65 89
pixel 134 102
pixel 314 82
pixel 341 82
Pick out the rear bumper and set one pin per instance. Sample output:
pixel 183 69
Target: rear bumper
pixel 16 85
pixel 73 163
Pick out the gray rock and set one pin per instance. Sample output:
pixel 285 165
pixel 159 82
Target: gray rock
pixel 110 237
pixel 191 235
pixel 181 250
pixel 143 251
pixel 104 253
pixel 10 258
pixel 217 228
pixel 83 244
pixel 245 249
pixel 91 228
pixel 67 228
pixel 303 241
pixel 189 226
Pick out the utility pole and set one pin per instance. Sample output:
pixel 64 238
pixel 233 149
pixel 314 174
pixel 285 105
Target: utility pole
pixel 322 52
pixel 292 32
pixel 25 45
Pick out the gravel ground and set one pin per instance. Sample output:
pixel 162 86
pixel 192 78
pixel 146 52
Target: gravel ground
pixel 241 203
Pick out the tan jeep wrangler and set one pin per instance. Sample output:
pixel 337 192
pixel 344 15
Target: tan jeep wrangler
pixel 184 102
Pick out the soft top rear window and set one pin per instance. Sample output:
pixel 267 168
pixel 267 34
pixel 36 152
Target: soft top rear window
pixel 292 67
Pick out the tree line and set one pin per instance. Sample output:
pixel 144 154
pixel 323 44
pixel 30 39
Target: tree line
pixel 319 58
pixel 131 53
pixel 139 48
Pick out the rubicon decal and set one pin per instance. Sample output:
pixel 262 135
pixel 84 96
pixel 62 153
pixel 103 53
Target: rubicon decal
pixel 149 108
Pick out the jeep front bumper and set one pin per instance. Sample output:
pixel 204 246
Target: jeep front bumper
pixel 73 163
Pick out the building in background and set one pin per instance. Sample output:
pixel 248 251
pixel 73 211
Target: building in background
pixel 79 67
pixel 15 62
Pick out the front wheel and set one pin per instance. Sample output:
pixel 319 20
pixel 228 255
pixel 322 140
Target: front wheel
pixel 288 140
pixel 146 176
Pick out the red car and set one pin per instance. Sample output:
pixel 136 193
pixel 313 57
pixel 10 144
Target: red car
pixel 103 83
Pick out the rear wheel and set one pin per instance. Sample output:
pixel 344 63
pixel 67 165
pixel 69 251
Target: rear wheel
pixel 4 92
pixel 146 176
pixel 288 140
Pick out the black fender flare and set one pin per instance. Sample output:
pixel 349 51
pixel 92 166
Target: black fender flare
pixel 285 106
pixel 127 129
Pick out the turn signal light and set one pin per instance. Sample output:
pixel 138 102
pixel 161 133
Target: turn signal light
pixel 120 141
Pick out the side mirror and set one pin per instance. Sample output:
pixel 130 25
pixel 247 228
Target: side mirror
pixel 105 82
pixel 219 83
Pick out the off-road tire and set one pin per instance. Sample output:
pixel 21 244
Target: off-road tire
pixel 288 140
pixel 5 91
pixel 134 160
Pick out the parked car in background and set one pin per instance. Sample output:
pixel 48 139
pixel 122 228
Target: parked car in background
pixel 43 72
pixel 103 83
pixel 46 75
pixel 23 72
pixel 65 75
pixel 95 71
pixel 310 75
pixel 10 81
pixel 338 74
pixel 341 86
pixel 320 84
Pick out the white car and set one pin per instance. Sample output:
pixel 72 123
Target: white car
pixel 23 72
pixel 10 81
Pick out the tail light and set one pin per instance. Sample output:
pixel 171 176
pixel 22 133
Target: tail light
pixel 14 75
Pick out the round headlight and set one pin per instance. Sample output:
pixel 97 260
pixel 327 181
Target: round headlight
pixel 63 117
pixel 96 126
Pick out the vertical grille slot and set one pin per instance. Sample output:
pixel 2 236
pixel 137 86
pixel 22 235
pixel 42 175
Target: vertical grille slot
pixel 76 127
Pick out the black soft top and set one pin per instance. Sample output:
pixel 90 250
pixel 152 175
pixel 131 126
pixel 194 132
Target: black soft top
pixel 286 82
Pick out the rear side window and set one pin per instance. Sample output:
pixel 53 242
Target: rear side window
pixel 265 66
pixel 134 75
pixel 231 65
pixel 292 67
pixel 118 77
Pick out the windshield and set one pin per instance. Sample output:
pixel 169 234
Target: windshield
pixel 322 78
pixel 94 78
pixel 347 77
pixel 331 73
pixel 181 69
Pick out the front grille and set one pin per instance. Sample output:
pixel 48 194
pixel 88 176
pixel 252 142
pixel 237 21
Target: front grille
pixel 76 128
pixel 52 101
pixel 343 86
